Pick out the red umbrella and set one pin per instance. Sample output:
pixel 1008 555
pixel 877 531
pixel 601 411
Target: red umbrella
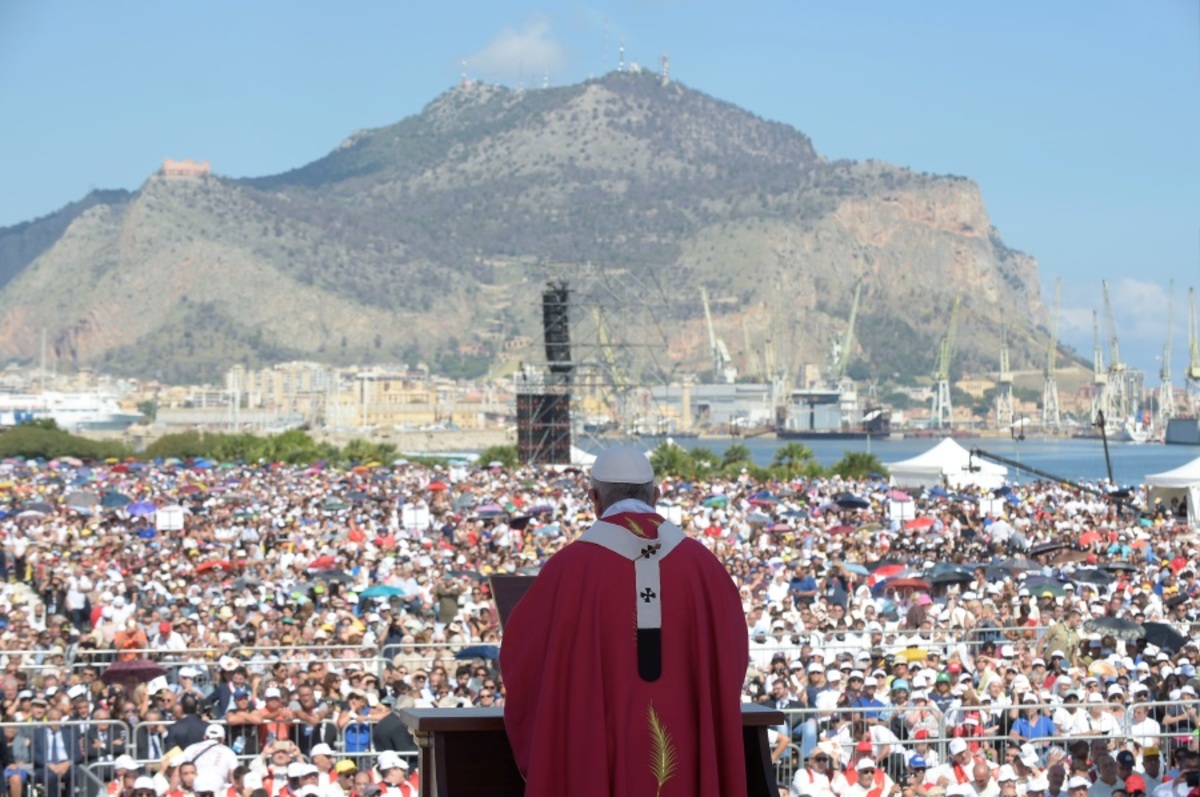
pixel 713 531
pixel 908 583
pixel 842 529
pixel 919 523
pixel 322 563
pixel 120 469
pixel 887 571
pixel 190 489
pixel 212 564
pixel 1089 537
pixel 437 487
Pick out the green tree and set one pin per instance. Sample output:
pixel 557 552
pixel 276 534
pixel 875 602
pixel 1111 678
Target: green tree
pixel 148 408
pixel 737 454
pixel 791 459
pixel 506 455
pixel 669 459
pixel 704 460
pixel 857 464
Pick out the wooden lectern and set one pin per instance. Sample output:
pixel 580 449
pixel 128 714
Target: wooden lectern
pixel 465 752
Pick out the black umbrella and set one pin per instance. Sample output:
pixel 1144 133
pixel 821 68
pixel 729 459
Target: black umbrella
pixel 1091 575
pixel 1119 567
pixel 1172 602
pixel 1039 584
pixel 519 522
pixel 1048 547
pixel 1165 636
pixel 848 501
pixel 951 577
pixel 1018 565
pixel 340 576
pixel 1116 627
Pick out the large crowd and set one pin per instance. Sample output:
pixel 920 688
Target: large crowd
pixel 972 643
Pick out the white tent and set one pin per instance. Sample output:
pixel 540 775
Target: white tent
pixel 1183 482
pixel 948 465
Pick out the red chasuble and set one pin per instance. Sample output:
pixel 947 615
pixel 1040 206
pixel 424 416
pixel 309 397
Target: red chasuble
pixel 581 718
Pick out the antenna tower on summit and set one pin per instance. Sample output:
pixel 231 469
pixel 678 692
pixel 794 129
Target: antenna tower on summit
pixel 463 73
pixel 666 70
pixel 621 56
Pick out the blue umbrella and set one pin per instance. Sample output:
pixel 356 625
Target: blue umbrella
pixel 938 492
pixel 141 508
pixel 857 569
pixel 381 591
pixel 491 652
pixel 115 501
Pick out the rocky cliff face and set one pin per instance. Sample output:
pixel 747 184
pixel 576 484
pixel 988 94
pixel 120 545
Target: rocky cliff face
pixel 432 237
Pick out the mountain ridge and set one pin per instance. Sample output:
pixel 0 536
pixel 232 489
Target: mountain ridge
pixel 430 237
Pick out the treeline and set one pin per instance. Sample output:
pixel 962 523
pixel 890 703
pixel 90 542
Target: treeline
pixel 43 439
pixel 791 461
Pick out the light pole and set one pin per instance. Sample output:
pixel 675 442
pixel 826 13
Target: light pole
pixel 1017 430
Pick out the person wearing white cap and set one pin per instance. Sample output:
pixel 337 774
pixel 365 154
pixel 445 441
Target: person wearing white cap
pixel 569 651
pixel 143 786
pixel 212 755
pixel 393 774
pixel 870 781
pixel 125 772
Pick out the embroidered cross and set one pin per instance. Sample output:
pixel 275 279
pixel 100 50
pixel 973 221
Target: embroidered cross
pixel 650 550
pixel 647 595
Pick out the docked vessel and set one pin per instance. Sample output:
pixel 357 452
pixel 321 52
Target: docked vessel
pixel 73 412
pixel 1183 431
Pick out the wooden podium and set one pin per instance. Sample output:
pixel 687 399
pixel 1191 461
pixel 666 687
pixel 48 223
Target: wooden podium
pixel 465 752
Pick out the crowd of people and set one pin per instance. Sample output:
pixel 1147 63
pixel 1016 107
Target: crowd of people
pixel 1015 645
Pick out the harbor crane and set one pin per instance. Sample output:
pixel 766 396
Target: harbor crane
pixel 1118 389
pixel 722 364
pixel 1051 419
pixel 847 390
pixel 1005 408
pixel 1192 375
pixel 1099 374
pixel 941 415
pixel 1166 393
pixel 752 363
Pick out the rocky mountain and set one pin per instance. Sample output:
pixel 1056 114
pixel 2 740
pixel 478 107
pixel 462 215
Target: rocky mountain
pixel 430 239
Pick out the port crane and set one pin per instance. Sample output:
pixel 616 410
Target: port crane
pixel 1051 420
pixel 722 363
pixel 1118 389
pixel 1005 408
pixel 941 415
pixel 1192 375
pixel 1166 393
pixel 1099 374
pixel 847 390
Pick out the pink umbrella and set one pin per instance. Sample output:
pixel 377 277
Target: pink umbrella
pixel 899 495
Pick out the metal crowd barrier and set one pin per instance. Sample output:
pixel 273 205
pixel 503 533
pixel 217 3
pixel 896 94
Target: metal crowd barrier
pixel 82 777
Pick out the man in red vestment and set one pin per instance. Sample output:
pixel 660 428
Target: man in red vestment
pixel 623 663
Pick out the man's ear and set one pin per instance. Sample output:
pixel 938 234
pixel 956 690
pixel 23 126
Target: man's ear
pixel 657 493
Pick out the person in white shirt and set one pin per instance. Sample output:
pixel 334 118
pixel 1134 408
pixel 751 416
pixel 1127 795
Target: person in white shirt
pixel 871 781
pixel 1144 730
pixel 982 782
pixel 212 756
pixel 813 780
pixel 1069 719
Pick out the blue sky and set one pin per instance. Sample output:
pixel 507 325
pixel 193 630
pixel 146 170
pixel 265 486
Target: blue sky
pixel 1080 119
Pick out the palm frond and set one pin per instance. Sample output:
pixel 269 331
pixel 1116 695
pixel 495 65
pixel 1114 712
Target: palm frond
pixel 663 759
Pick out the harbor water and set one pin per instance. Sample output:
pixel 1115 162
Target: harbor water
pixel 1072 459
